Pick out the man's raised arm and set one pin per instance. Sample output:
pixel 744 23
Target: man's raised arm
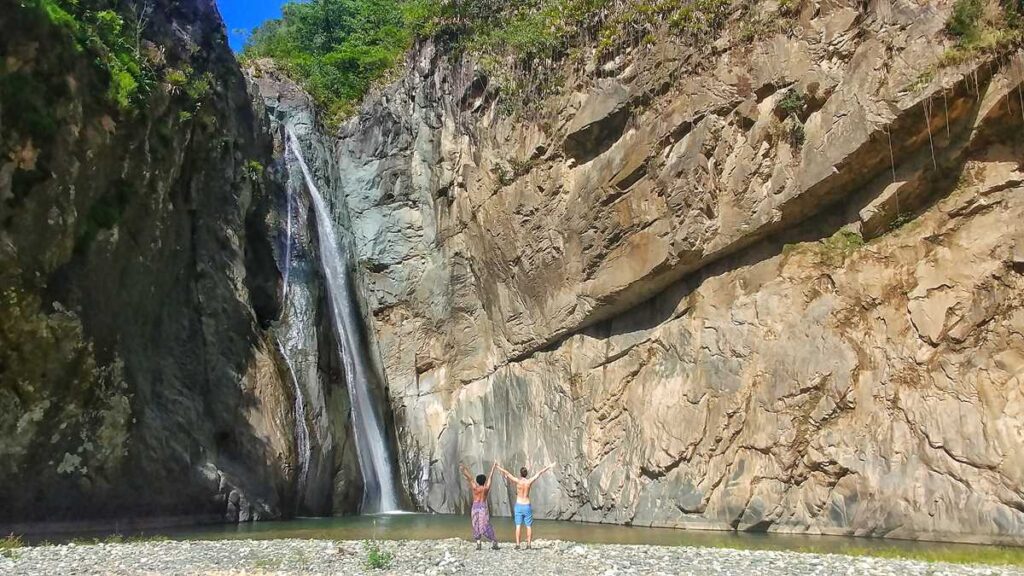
pixel 487 485
pixel 465 473
pixel 506 473
pixel 542 470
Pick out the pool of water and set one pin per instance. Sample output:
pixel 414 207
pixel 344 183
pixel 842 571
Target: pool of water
pixel 437 526
pixel 407 526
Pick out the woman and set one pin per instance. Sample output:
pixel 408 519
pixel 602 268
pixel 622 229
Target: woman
pixel 481 515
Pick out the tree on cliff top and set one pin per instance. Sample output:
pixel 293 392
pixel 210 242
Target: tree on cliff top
pixel 335 48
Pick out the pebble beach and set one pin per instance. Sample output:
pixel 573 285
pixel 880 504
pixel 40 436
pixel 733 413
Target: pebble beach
pixel 452 556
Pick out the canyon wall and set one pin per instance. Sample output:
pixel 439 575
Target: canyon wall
pixel 769 282
pixel 766 281
pixel 137 272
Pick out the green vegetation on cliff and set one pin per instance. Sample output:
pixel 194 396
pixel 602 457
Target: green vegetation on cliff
pixel 100 28
pixel 337 49
pixel 983 26
pixel 111 32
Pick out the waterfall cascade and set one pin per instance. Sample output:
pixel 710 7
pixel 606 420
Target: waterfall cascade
pixel 302 446
pixel 379 492
pixel 287 244
pixel 303 450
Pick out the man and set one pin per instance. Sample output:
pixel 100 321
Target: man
pixel 481 517
pixel 523 510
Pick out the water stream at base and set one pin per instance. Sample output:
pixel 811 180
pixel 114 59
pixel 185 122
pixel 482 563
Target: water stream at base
pixel 379 493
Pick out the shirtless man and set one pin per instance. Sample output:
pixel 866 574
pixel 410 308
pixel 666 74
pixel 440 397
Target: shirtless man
pixel 523 510
pixel 481 516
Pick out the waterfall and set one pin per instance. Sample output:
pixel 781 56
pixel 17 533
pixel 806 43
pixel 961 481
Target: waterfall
pixel 302 447
pixel 379 493
pixel 287 244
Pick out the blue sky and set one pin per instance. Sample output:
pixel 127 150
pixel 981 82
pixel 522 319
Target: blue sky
pixel 241 16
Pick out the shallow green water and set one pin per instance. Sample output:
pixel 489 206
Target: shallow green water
pixel 436 526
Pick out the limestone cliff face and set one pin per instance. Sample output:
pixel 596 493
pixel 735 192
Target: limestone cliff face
pixel 137 278
pixel 689 278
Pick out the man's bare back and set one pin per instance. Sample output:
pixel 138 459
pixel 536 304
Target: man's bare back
pixel 523 486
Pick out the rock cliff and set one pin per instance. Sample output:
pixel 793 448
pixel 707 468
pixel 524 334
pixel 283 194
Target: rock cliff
pixel 767 279
pixel 137 271
pixel 768 283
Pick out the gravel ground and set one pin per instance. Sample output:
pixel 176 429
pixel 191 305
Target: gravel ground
pixel 238 557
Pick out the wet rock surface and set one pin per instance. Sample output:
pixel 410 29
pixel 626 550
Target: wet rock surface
pixel 452 557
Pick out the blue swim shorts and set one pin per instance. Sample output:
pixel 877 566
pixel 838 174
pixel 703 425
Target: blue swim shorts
pixel 524 514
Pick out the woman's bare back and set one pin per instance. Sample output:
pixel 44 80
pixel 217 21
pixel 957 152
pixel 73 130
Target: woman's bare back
pixel 480 493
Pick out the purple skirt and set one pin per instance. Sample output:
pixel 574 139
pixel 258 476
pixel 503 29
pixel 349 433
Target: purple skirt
pixel 482 522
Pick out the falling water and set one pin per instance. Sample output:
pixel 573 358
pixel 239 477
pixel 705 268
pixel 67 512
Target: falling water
pixel 379 493
pixel 302 447
pixel 945 104
pixel 892 157
pixel 287 244
pixel 1020 93
pixel 928 123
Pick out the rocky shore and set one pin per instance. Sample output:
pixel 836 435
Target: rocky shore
pixel 452 556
